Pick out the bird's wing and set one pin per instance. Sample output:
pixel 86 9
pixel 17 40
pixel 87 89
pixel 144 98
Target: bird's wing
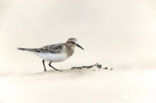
pixel 54 48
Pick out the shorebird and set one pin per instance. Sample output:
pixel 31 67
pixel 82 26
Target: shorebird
pixel 55 52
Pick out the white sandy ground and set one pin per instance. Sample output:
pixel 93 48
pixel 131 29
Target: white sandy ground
pixel 80 86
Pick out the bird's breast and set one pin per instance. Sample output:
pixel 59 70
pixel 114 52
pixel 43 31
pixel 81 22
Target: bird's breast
pixel 57 57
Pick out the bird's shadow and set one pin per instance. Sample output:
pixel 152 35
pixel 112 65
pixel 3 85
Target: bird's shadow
pixel 74 73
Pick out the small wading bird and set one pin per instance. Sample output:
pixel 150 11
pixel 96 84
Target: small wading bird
pixel 55 52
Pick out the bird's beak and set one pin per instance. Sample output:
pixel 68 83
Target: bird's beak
pixel 79 46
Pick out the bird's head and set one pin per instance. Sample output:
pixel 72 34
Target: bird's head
pixel 72 42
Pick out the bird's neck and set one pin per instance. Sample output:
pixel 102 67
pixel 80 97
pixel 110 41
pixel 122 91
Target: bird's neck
pixel 70 50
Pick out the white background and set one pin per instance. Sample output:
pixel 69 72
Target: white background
pixel 115 33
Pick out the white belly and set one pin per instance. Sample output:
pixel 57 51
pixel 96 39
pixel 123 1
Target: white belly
pixel 52 57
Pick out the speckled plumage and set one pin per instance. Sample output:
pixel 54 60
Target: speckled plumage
pixel 54 48
pixel 55 52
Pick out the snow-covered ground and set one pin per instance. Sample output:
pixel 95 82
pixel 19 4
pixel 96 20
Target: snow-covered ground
pixel 80 86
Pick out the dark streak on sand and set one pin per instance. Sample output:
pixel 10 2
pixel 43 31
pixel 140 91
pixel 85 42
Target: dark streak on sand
pixel 99 66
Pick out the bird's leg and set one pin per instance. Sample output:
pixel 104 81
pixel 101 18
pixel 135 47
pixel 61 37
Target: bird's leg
pixel 53 67
pixel 44 65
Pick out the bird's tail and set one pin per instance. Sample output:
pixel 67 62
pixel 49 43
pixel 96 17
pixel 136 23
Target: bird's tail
pixel 25 49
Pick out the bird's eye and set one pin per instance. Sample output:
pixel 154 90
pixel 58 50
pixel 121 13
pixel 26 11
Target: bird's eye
pixel 72 42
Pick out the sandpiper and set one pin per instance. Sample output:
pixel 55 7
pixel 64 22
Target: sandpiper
pixel 55 52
